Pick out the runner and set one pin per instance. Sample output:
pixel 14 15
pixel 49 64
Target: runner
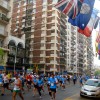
pixel 39 86
pixel 5 84
pixel 63 82
pixel 68 78
pixel 53 83
pixel 35 85
pixel 17 88
pixel 22 78
pixel 48 84
pixel 1 80
pixel 28 81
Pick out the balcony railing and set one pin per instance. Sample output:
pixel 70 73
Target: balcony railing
pixel 5 5
pixel 4 18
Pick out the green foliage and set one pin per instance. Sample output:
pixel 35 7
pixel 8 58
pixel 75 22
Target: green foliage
pixel 97 72
pixel 1 52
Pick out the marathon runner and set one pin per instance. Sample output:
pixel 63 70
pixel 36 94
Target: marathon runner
pixel 17 88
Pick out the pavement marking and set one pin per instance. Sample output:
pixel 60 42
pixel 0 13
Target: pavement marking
pixel 72 97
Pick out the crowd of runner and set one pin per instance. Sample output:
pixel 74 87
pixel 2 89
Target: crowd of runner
pixel 22 81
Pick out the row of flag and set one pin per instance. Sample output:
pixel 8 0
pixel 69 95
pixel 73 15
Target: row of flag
pixel 81 14
pixel 97 44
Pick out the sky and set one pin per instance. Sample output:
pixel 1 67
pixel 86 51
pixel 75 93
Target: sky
pixel 96 61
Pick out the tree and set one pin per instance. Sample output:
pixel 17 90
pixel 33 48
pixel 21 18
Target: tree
pixel 1 52
pixel 1 55
pixel 97 72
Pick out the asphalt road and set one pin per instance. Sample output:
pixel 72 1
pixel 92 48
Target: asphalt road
pixel 70 93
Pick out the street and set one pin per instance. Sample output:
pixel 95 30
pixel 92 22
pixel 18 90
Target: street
pixel 70 93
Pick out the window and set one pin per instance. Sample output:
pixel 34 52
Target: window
pixel 44 6
pixel 5 4
pixel 34 1
pixel 52 52
pixel 52 38
pixel 44 1
pixel 42 38
pixel 29 1
pixel 52 31
pixel 2 28
pixel 1 43
pixel 53 18
pixel 55 1
pixel 17 24
pixel 53 24
pixel 28 23
pixel 42 45
pixel 42 52
pixel 41 59
pixel 34 10
pixel 52 45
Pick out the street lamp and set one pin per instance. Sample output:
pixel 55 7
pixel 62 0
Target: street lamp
pixel 15 60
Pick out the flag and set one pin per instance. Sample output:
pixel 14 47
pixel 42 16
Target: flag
pixel 98 36
pixel 96 24
pixel 69 7
pixel 88 29
pixel 84 16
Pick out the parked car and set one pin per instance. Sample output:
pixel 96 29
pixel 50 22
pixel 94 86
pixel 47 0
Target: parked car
pixel 91 88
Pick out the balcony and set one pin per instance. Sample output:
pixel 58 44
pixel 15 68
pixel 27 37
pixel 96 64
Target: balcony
pixel 3 33
pixel 31 56
pixel 4 19
pixel 4 4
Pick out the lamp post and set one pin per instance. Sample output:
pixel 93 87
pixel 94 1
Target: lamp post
pixel 15 60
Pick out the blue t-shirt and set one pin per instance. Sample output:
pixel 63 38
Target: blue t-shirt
pixel 22 79
pixel 1 78
pixel 39 83
pixel 53 83
pixel 63 80
pixel 48 80
pixel 35 81
pixel 58 77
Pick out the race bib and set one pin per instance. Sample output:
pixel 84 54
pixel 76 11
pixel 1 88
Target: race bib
pixel 52 84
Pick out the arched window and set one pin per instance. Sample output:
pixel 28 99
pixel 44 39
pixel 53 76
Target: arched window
pixel 12 47
pixel 12 43
pixel 20 45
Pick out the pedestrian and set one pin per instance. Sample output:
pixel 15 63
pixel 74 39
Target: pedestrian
pixel 81 80
pixel 17 88
pixel 74 79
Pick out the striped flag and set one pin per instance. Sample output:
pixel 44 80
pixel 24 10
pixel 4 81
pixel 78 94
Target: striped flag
pixel 69 7
pixel 98 36
pixel 90 26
